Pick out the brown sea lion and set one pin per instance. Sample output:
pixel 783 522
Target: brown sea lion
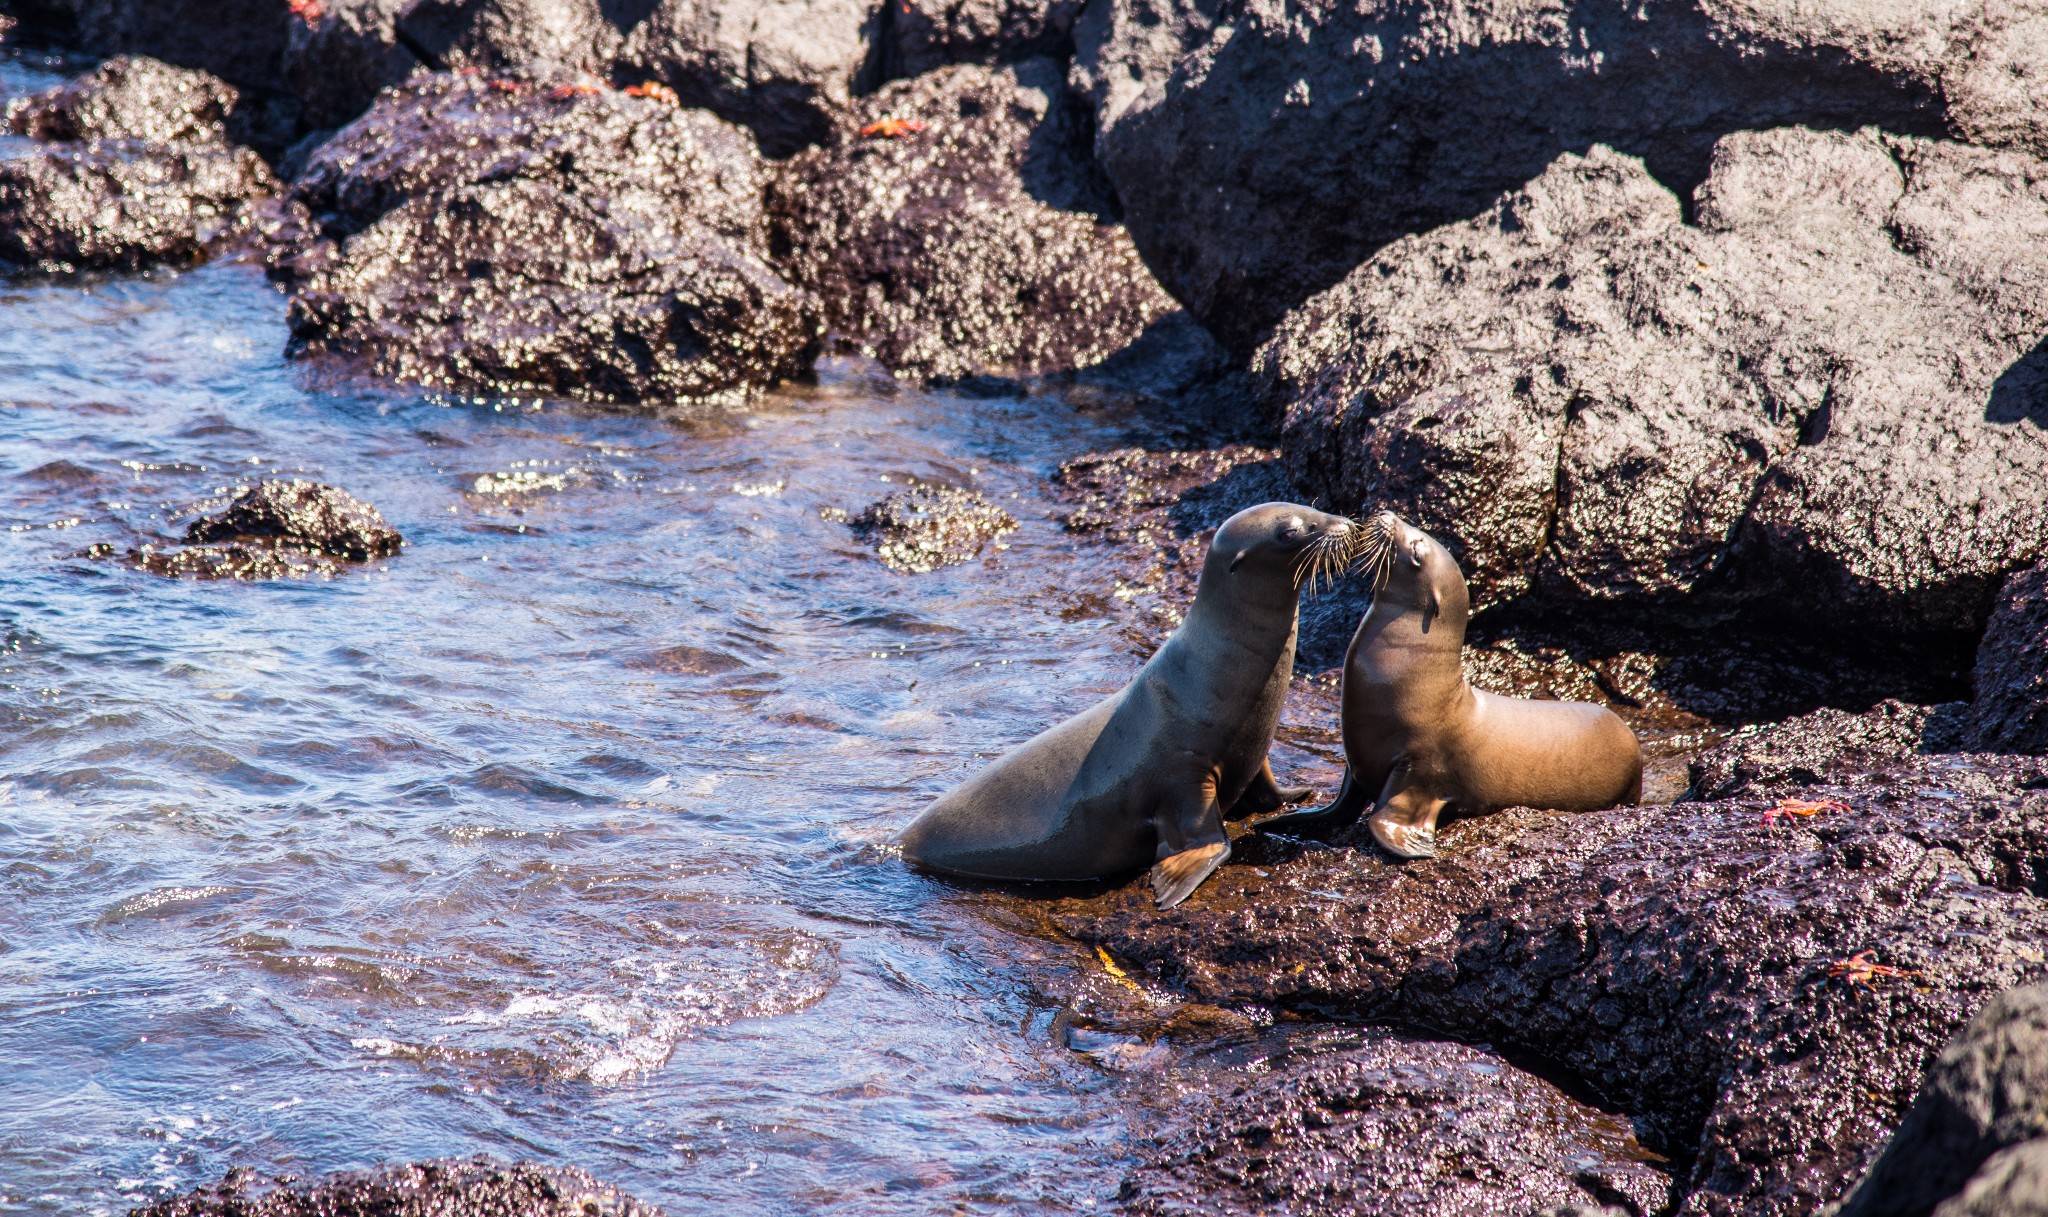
pixel 1418 739
pixel 1147 776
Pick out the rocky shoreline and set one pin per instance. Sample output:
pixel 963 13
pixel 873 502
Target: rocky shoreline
pixel 1710 342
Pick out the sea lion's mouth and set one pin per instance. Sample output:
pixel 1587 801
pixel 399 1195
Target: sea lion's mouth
pixel 1326 557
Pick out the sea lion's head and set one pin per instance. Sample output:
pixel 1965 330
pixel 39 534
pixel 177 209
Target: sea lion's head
pixel 1411 570
pixel 1286 543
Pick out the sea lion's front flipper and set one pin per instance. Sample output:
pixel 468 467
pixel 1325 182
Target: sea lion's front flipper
pixel 1404 822
pixel 1335 816
pixel 1176 876
pixel 1265 794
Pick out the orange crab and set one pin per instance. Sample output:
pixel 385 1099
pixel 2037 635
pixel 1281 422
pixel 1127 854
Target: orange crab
pixel 1860 969
pixel 581 88
pixel 503 85
pixel 308 11
pixel 654 90
pixel 891 128
pixel 1806 808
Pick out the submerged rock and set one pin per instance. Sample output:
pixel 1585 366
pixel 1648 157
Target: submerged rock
pixel 2010 712
pixel 304 514
pixel 1392 1127
pixel 1221 121
pixel 1985 1095
pixel 541 231
pixel 921 529
pixel 1817 404
pixel 960 229
pixel 478 1187
pixel 276 529
pixel 1712 976
pixel 127 169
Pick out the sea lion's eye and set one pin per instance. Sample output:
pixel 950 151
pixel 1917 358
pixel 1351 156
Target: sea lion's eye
pixel 1290 530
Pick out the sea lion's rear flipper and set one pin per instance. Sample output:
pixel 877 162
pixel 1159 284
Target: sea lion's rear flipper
pixel 1404 822
pixel 1336 816
pixel 1176 876
pixel 1265 794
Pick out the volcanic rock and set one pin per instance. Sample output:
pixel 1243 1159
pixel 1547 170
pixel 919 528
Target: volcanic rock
pixel 308 515
pixel 339 54
pixel 1711 975
pixel 783 68
pixel 126 169
pixel 1820 403
pixel 1986 1093
pixel 478 1187
pixel 541 231
pixel 960 229
pixel 2010 712
pixel 925 34
pixel 1219 121
pixel 128 98
pixel 1391 1126
pixel 2014 1183
pixel 921 529
pixel 498 34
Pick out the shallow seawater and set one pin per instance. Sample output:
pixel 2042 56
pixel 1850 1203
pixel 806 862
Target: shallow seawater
pixel 561 835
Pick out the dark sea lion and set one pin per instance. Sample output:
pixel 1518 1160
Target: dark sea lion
pixel 1147 776
pixel 1421 739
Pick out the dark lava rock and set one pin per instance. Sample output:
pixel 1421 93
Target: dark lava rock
pixel 499 34
pixel 125 169
pixel 308 515
pixel 1221 121
pixel 249 560
pixel 1821 403
pixel 921 529
pixel 784 68
pixel 1826 746
pixel 2010 713
pixel 1987 1092
pixel 2014 1183
pixel 541 231
pixel 474 1188
pixel 339 54
pixel 241 41
pixel 921 35
pixel 1393 1126
pixel 974 240
pixel 1692 967
pixel 128 98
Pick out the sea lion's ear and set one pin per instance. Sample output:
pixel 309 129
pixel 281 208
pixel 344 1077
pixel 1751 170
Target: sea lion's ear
pixel 1242 554
pixel 1430 608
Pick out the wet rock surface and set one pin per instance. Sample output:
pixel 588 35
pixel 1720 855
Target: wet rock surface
pixel 542 231
pixel 277 529
pixel 475 1188
pixel 1221 117
pixel 1707 973
pixel 129 98
pixel 124 168
pixel 1984 1096
pixel 1388 1125
pixel 1787 410
pixel 782 68
pixel 925 527
pixel 2010 709
pixel 925 34
pixel 959 229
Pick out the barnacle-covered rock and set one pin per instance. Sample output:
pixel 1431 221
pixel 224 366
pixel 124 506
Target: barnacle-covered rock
pixel 276 529
pixel 1702 973
pixel 538 230
pixel 960 229
pixel 925 527
pixel 477 1187
pixel 2010 710
pixel 125 167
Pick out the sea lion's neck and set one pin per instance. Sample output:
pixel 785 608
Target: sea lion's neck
pixel 1411 642
pixel 1257 614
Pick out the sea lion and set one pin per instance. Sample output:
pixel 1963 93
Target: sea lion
pixel 1147 776
pixel 1421 739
